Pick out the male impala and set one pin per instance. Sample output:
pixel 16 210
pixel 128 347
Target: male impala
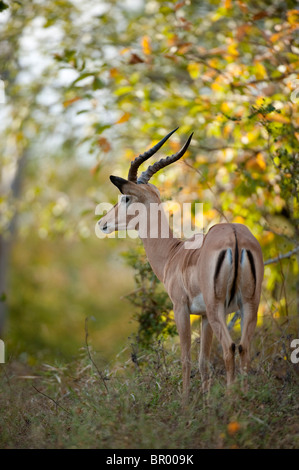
pixel 221 275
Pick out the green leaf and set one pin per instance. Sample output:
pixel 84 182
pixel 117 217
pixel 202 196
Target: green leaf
pixel 82 76
pixel 3 6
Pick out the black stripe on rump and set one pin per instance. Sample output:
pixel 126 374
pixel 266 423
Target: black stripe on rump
pixel 252 266
pixel 233 291
pixel 218 267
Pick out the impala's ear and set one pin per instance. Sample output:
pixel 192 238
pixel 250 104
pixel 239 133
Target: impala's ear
pixel 118 182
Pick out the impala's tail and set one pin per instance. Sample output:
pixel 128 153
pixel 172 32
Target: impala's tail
pixel 236 270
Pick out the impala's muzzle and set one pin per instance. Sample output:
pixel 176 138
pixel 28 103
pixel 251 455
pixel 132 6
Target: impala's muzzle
pixel 104 227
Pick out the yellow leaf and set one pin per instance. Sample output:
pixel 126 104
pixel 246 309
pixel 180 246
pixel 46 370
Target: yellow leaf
pixel 260 71
pixel 70 101
pixel 276 117
pixel 216 87
pixel 194 70
pixel 225 107
pixel 267 238
pixel 232 49
pixel 125 117
pixel 146 45
pixel 233 427
pixel 210 214
pixel 260 101
pixel 174 145
pixel 260 161
pixel 293 17
pixel 227 4
pixel 125 50
pixel 113 72
pixel 239 220
pixel 227 129
pixel 129 154
pixel 275 37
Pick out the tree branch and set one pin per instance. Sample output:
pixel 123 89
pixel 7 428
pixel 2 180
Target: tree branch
pixel 279 257
pixel 261 80
pixel 90 357
pixel 52 399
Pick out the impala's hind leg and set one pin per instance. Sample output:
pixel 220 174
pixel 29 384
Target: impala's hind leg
pixel 249 323
pixel 205 349
pixel 216 317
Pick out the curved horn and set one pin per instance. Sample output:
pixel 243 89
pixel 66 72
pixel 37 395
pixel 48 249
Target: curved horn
pixel 146 175
pixel 135 164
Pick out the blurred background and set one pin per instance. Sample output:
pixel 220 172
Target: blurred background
pixel 91 84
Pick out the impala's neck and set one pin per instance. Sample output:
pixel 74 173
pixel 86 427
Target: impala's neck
pixel 158 240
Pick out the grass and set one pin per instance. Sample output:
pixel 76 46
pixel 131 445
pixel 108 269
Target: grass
pixel 136 404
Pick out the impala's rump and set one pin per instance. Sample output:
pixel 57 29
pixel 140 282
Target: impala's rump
pixel 223 273
pixel 249 274
pixel 230 254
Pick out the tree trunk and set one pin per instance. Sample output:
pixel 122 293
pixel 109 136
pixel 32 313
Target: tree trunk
pixel 6 241
pixel 3 280
pixel 297 293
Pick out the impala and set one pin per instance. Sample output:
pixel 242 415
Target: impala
pixel 222 274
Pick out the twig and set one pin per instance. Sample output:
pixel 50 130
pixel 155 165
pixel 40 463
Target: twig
pixel 283 288
pixel 209 187
pixel 258 420
pixel 261 80
pixel 232 322
pixel 279 257
pixel 50 398
pixel 91 359
pixel 203 60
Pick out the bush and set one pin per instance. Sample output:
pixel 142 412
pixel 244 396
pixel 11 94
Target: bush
pixel 153 307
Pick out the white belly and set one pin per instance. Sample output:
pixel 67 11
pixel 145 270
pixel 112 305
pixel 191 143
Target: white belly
pixel 198 306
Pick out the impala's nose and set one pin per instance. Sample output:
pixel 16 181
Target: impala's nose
pixel 103 226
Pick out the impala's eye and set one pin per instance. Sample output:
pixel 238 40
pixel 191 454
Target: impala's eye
pixel 126 199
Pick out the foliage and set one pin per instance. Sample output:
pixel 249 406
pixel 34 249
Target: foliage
pixel 68 406
pixel 90 84
pixel 56 290
pixel 154 309
pixel 3 6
